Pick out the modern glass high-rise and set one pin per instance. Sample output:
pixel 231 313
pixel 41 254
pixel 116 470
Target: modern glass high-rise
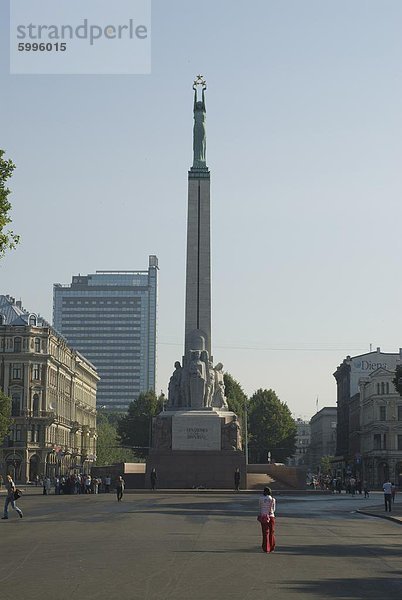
pixel 110 317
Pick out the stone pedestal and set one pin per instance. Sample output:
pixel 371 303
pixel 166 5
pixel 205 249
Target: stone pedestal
pixel 196 448
pixel 191 469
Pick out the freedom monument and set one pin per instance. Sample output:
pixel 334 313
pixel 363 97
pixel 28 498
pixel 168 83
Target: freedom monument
pixel 197 440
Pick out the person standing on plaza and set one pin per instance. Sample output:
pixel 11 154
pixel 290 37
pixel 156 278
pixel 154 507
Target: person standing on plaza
pixel 387 487
pixel 120 488
pixel 266 516
pixel 88 484
pixel 95 484
pixel 366 489
pixel 393 491
pixel 108 483
pixel 10 498
pixel 154 478
pixel 46 486
pixel 237 479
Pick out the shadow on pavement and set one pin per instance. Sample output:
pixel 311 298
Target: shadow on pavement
pixel 355 588
pixel 355 550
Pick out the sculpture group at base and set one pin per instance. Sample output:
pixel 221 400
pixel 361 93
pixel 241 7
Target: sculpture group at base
pixel 197 384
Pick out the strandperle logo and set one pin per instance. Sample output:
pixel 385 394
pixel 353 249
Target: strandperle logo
pixel 70 37
pixel 84 31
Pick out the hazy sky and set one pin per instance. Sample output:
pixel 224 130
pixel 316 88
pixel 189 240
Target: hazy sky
pixel 304 146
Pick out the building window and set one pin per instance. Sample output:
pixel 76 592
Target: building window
pixel 2 320
pixel 399 442
pixel 35 405
pixel 18 433
pixel 387 387
pixel 382 387
pixel 399 412
pixel 15 405
pixel 17 344
pixel 383 413
pixel 377 441
pixel 16 372
pixel 36 372
pixel 33 434
pixel 378 389
pixel 37 344
pixel 32 320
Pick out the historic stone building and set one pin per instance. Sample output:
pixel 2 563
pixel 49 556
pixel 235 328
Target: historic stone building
pixel 376 432
pixel 349 375
pixel 300 457
pixel 323 436
pixel 53 392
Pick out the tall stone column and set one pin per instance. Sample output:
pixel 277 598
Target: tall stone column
pixel 198 271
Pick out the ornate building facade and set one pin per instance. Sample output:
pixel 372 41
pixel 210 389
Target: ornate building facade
pixel 378 429
pixel 53 393
pixel 351 374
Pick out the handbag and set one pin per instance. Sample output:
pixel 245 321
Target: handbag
pixel 17 494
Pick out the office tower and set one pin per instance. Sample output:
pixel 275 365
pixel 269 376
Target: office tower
pixel 110 316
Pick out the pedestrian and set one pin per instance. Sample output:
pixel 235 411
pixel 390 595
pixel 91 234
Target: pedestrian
pixel 88 484
pixel 352 482
pixel 108 483
pixel 387 487
pixel 10 498
pixel 393 491
pixel 120 488
pixel 266 517
pixel 95 484
pixel 237 479
pixel 154 478
pixel 46 486
pixel 366 489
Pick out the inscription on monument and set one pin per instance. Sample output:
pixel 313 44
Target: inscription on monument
pixel 196 433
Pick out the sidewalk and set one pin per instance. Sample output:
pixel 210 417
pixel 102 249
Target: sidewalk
pixel 379 511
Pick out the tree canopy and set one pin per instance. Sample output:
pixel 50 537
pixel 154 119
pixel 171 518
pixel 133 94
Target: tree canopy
pixel 397 380
pixel 271 427
pixel 235 396
pixel 108 445
pixel 5 415
pixel 8 239
pixel 135 427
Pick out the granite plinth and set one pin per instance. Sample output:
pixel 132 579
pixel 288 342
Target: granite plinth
pixel 192 469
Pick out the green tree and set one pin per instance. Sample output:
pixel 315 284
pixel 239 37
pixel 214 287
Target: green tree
pixel 397 380
pixel 326 465
pixel 5 415
pixel 8 239
pixel 108 445
pixel 271 426
pixel 235 396
pixel 135 428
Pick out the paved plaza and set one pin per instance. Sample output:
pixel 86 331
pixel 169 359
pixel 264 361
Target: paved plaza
pixel 200 546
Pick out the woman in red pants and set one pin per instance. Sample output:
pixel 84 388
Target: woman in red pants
pixel 266 517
